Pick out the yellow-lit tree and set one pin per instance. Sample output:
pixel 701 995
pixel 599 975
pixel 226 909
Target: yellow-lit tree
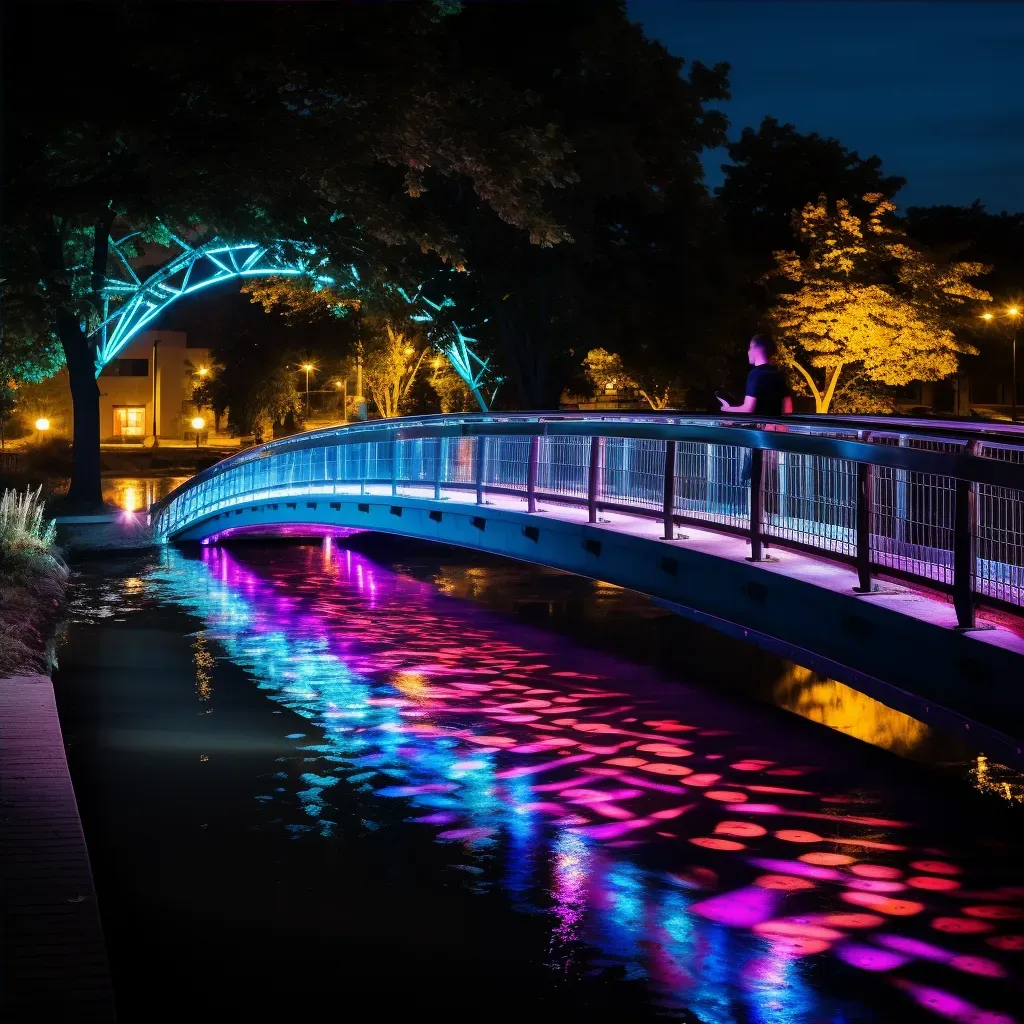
pixel 604 369
pixel 391 364
pixel 865 305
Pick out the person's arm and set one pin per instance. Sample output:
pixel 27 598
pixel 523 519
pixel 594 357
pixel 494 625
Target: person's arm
pixel 749 405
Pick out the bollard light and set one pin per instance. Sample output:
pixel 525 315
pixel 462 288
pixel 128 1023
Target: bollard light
pixel 42 424
pixel 197 424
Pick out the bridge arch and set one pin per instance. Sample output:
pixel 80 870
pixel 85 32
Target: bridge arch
pixel 131 302
pixel 608 498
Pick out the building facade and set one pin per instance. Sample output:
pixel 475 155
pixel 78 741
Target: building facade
pixel 147 390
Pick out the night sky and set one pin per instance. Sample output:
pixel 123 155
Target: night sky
pixel 934 88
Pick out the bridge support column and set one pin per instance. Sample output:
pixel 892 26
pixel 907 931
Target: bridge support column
pixel 593 476
pixel 756 502
pixel 668 506
pixel 531 475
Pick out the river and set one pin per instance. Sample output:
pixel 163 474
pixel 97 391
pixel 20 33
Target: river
pixel 386 779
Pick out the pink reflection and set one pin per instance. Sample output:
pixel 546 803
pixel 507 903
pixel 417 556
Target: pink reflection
pixel 741 908
pixel 869 958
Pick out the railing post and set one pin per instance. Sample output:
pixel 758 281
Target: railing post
pixel 865 483
pixel 479 450
pixel 965 515
pixel 864 478
pixel 531 474
pixel 394 467
pixel 756 501
pixel 593 477
pixel 670 489
pixel 438 468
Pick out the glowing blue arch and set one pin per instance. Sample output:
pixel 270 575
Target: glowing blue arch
pixel 130 303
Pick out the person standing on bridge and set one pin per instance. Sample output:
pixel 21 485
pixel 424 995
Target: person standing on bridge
pixel 767 394
pixel 767 391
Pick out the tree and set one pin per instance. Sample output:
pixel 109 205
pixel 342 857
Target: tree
pixel 997 240
pixel 866 303
pixel 392 363
pixel 605 371
pixel 262 132
pixel 775 172
pixel 636 126
pixel 254 380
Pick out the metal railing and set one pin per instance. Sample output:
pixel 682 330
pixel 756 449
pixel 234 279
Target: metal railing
pixel 940 503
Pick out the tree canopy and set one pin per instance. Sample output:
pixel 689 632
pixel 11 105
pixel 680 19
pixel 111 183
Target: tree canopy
pixel 261 132
pixel 866 303
pixel 775 171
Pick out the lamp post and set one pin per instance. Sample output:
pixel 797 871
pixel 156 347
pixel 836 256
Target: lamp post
pixel 42 425
pixel 197 425
pixel 308 367
pixel 1014 313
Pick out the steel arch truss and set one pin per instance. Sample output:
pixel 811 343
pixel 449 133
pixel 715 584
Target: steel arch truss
pixel 130 302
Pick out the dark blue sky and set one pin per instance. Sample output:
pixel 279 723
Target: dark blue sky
pixel 936 89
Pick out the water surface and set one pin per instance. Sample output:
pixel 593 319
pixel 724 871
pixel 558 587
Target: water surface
pixel 315 779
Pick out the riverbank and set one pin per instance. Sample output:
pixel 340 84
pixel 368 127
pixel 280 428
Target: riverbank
pixel 54 955
pixel 33 584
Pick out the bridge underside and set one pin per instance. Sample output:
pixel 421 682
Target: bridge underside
pixel 896 644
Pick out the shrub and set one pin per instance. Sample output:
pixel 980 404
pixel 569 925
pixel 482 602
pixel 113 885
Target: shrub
pixel 22 527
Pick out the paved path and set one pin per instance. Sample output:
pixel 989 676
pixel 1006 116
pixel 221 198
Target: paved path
pixel 54 960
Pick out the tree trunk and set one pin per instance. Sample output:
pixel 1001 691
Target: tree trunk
pixel 85 397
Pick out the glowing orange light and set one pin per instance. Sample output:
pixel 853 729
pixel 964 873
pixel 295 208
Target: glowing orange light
pixel 42 423
pixel 986 316
pixel 203 371
pixel 198 423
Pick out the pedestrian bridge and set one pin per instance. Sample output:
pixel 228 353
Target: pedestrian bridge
pixel 888 553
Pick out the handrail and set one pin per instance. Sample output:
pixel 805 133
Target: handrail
pixel 943 506
pixel 747 432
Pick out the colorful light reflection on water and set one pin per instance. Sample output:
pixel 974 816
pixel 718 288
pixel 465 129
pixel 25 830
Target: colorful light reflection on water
pixel 697 853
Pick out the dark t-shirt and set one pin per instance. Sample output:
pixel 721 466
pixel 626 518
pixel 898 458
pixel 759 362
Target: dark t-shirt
pixel 768 385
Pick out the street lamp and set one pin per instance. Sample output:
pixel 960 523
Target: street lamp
pixel 1014 313
pixel 308 367
pixel 203 371
pixel 42 425
pixel 197 425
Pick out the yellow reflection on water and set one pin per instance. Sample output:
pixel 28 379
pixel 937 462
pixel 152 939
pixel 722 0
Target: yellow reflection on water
pixel 412 684
pixel 997 779
pixel 204 662
pixel 135 493
pixel 846 710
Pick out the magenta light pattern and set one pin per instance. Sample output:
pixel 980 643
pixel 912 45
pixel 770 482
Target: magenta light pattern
pixel 681 836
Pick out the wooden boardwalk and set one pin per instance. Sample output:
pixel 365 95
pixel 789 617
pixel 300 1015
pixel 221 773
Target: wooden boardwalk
pixel 54 960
